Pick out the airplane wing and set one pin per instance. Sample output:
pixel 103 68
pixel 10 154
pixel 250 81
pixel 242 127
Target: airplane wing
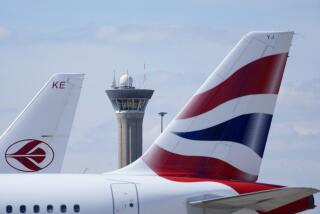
pixel 263 201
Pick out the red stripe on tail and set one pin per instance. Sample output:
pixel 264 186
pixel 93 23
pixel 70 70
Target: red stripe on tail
pixel 165 163
pixel 262 76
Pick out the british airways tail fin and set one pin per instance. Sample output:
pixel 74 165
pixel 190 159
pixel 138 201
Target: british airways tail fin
pixel 36 141
pixel 222 131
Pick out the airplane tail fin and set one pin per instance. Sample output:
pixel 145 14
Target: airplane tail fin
pixel 222 131
pixel 36 141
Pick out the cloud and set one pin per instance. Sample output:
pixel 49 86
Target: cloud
pixel 135 34
pixel 132 34
pixel 307 131
pixel 125 34
pixel 8 110
pixel 307 96
pixel 298 105
pixel 4 33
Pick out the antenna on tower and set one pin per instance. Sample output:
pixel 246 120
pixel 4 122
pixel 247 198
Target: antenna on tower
pixel 144 75
pixel 114 82
pixel 128 78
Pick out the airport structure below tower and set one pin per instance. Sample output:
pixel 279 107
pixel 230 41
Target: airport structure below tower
pixel 129 104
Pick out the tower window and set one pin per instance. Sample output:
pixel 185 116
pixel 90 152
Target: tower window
pixel 50 208
pixel 76 208
pixel 9 209
pixel 36 209
pixel 23 209
pixel 63 208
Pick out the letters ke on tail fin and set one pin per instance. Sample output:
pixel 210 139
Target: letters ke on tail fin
pixel 36 141
pixel 222 131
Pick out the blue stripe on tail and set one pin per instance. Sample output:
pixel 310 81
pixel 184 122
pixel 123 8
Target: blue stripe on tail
pixel 250 130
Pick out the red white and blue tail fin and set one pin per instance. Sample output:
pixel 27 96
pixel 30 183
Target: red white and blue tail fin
pixel 36 141
pixel 222 131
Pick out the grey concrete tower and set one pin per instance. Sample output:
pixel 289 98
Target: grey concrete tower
pixel 129 104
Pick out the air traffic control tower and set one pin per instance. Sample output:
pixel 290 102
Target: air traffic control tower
pixel 129 104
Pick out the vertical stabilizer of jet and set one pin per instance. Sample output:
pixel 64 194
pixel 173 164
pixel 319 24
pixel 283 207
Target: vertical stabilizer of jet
pixel 36 141
pixel 222 131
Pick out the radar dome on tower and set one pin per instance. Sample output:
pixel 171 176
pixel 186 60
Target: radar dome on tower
pixel 126 81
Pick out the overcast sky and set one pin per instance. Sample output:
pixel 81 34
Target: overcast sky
pixel 181 43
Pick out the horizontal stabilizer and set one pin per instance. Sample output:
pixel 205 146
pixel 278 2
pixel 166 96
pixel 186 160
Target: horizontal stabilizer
pixel 263 201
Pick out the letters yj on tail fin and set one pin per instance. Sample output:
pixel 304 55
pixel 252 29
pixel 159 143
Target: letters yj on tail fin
pixel 36 141
pixel 222 131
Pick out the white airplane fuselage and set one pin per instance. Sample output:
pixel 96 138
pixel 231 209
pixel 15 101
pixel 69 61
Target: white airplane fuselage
pixel 104 193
